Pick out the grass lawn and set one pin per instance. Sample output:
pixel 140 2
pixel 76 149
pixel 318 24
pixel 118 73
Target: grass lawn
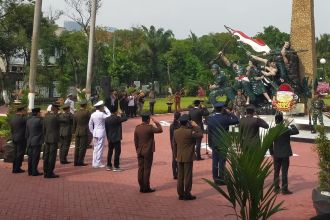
pixel 161 106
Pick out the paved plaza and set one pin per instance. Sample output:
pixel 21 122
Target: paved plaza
pixel 86 193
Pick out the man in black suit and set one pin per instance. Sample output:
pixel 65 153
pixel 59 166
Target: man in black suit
pixel 35 139
pixel 112 101
pixel 114 134
pixel 51 128
pixel 281 152
pixel 18 126
pixel 65 133
pixel 249 128
pixel 196 114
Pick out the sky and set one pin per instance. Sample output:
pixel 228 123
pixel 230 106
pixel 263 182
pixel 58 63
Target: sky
pixel 199 16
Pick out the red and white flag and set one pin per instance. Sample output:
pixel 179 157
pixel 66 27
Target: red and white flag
pixel 257 44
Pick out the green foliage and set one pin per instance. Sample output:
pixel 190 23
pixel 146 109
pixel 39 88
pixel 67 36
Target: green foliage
pixel 4 127
pixel 246 173
pixel 273 37
pixel 323 150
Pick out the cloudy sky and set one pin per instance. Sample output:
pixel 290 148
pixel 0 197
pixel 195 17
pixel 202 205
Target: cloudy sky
pixel 200 16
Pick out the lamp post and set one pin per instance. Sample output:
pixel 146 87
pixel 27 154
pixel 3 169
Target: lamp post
pixel 322 62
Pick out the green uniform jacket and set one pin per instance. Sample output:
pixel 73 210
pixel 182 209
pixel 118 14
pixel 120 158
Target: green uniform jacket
pixel 184 143
pixel 80 122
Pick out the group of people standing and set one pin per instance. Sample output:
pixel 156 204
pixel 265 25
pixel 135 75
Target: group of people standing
pixel 132 103
pixel 186 133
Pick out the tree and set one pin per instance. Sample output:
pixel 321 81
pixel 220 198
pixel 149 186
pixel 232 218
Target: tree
pixel 157 41
pixel 273 37
pixel 323 51
pixel 82 12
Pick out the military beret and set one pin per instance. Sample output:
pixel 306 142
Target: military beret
pixel 219 105
pixel 184 118
pixel 197 102
pixel 36 110
pixel 250 107
pixel 145 114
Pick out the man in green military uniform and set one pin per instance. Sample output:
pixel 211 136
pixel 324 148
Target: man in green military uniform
pixel 317 105
pixel 80 130
pixel 65 133
pixel 51 128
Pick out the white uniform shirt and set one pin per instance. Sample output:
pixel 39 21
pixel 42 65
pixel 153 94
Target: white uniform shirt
pixel 71 103
pixel 131 100
pixel 96 124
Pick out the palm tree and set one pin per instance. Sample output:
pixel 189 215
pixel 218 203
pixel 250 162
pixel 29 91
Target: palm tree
pixel 245 176
pixel 156 42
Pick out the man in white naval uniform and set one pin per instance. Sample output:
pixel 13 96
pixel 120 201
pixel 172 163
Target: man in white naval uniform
pixel 70 102
pixel 97 128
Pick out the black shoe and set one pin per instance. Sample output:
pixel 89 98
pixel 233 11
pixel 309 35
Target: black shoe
pixel 277 190
pixel 190 197
pixel 141 190
pixel 181 198
pixel 150 190
pixel 52 176
pixel 286 192
pixel 65 162
pixel 37 174
pixel 19 171
pixel 83 164
pixel 219 182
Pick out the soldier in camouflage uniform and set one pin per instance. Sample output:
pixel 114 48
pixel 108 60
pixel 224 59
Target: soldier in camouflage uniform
pixel 220 87
pixel 317 105
pixel 239 104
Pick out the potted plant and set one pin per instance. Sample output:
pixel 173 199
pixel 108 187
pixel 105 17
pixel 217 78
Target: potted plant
pixel 245 175
pixel 321 194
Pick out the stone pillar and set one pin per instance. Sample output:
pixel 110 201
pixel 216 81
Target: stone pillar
pixel 303 35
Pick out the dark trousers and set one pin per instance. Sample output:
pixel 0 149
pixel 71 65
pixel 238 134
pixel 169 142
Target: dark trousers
pixel 50 153
pixel 81 143
pixel 151 107
pixel 184 178
pixel 281 163
pixel 34 157
pixel 19 151
pixel 174 167
pixel 117 147
pixel 198 148
pixel 131 110
pixel 145 163
pixel 65 142
pixel 218 165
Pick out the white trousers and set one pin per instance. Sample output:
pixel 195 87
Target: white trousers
pixel 98 143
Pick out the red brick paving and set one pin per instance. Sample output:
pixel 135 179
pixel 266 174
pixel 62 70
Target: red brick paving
pixel 86 193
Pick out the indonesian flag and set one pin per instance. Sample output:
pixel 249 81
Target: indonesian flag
pixel 257 44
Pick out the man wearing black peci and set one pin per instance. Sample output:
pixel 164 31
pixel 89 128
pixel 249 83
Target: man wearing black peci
pixel 281 152
pixel 113 130
pixel 51 131
pixel 35 139
pixel 196 114
pixel 18 126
